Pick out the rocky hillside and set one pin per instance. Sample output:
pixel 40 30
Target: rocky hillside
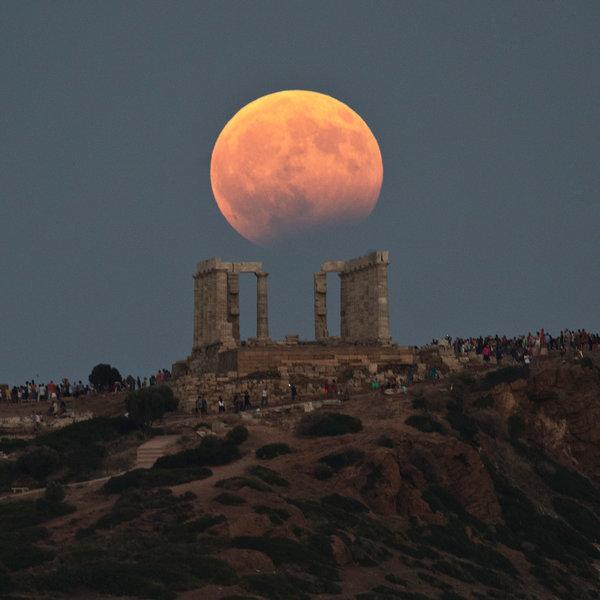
pixel 479 486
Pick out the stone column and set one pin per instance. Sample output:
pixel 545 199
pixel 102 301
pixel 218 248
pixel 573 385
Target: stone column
pixel 233 304
pixel 382 308
pixel 223 331
pixel 197 312
pixel 262 307
pixel 321 332
pixel 345 306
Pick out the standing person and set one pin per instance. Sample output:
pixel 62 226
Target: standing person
pixel 247 405
pixel 221 405
pixel 236 403
pixel 198 404
pixel 293 392
pixel 264 397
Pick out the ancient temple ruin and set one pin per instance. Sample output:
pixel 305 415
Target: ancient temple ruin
pixel 222 363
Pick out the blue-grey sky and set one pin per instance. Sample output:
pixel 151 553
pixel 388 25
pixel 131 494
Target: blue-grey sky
pixel 488 119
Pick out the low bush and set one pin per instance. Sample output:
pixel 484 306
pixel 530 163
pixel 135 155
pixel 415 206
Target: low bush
pixel 504 375
pixel 344 503
pixel 391 578
pixel 344 458
pixel 578 517
pixel 516 428
pixel 237 483
pixel 212 451
pixel 150 404
pixel 268 476
pixel 9 445
pixel 424 423
pixel 238 435
pixel 229 499
pixel 272 451
pixel 327 424
pixel 418 402
pixel 39 462
pixel 323 472
pixel 315 558
pixel 54 492
pixel 153 478
pixel 83 433
pixel 464 424
pixel 384 441
pixel 483 402
pixel 277 515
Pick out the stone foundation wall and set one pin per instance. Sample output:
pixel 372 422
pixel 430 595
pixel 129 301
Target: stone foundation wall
pixel 308 366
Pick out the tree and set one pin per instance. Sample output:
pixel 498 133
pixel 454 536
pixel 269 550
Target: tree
pixel 150 404
pixel 103 377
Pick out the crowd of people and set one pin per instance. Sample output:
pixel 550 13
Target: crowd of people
pixel 31 391
pixel 523 347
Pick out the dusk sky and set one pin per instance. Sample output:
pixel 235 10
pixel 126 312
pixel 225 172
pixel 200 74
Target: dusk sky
pixel 487 115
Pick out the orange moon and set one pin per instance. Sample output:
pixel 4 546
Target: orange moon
pixel 294 161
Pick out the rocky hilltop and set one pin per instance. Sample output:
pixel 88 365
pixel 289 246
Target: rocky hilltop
pixel 483 485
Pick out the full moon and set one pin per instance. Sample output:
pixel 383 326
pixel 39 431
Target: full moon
pixel 294 161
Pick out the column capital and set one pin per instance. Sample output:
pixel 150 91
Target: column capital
pixel 260 274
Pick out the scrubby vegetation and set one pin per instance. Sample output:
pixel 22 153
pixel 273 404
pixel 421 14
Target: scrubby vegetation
pixel 150 404
pixel 268 476
pixel 211 452
pixel 73 453
pixel 323 424
pixel 344 458
pixel 153 478
pixel 425 423
pixel 238 435
pixel 272 451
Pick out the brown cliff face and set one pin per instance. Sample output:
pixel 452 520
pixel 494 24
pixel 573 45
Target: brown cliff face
pixel 472 487
pixel 563 409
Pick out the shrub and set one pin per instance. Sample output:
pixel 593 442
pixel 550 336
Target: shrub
pixel 152 478
pixel 238 435
pixel 578 517
pixel 464 424
pixel 272 451
pixel 344 503
pixel 384 441
pixel 313 556
pixel 9 445
pixel 505 375
pixel 212 451
pixel 328 424
pixel 237 483
pixel 229 499
pixel 418 402
pixel 103 377
pixel 516 427
pixel 323 472
pixel 277 516
pixel 55 492
pixel 338 460
pixel 39 462
pixel 268 476
pixel 92 431
pixel 484 402
pixel 424 423
pixel 150 404
pixel 6 584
